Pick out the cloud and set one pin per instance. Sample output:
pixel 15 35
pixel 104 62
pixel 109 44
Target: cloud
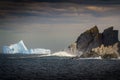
pixel 19 14
pixel 71 1
pixel 54 9
pixel 99 8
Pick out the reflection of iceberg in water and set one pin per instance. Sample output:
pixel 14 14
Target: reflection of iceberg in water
pixel 21 48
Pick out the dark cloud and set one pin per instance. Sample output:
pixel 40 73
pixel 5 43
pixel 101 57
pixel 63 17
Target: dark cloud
pixel 55 9
pixel 72 1
pixel 46 8
pixel 44 11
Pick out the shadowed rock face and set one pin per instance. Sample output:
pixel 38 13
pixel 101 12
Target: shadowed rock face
pixel 110 36
pixel 92 39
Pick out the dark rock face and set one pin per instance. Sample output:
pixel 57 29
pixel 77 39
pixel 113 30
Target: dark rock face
pixel 97 41
pixel 110 36
pixel 89 39
pixel 92 39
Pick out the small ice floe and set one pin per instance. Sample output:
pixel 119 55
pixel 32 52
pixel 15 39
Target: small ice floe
pixel 63 54
pixel 92 58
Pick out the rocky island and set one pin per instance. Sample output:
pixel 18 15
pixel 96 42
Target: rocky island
pixel 92 43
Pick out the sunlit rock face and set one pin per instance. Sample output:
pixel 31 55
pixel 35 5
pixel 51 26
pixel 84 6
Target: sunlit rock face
pixel 108 51
pixel 21 48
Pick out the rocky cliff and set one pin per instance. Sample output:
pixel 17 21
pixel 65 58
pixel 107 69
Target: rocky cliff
pixel 92 41
pixel 89 39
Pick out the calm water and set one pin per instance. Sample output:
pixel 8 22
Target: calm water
pixel 57 68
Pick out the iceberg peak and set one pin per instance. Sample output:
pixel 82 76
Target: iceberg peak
pixel 21 48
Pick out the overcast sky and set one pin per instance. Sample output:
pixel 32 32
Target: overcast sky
pixel 54 24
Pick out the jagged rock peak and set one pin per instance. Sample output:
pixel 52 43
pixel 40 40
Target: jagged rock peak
pixel 93 30
pixel 110 36
pixel 93 44
pixel 108 30
pixel 88 40
pixel 92 38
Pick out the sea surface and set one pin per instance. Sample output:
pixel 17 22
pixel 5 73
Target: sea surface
pixel 38 67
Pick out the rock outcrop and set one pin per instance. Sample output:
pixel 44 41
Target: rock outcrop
pixel 72 48
pixel 110 36
pixel 89 39
pixel 108 51
pixel 91 42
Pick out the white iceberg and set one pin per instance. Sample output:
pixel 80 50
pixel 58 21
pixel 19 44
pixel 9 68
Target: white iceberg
pixel 40 50
pixel 15 48
pixel 21 48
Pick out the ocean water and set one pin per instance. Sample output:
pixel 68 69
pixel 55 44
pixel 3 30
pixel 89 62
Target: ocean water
pixel 38 67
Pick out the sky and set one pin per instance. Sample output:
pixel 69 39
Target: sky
pixel 54 24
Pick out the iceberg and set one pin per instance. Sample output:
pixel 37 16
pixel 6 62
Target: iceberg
pixel 21 48
pixel 40 50
pixel 16 48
